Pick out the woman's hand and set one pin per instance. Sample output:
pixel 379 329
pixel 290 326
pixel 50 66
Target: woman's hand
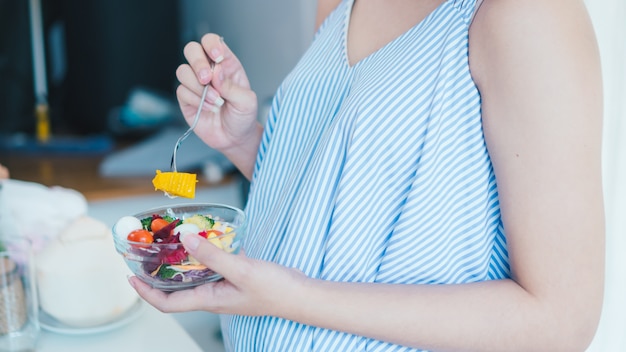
pixel 229 117
pixel 251 287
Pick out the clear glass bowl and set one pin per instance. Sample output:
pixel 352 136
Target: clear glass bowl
pixel 166 265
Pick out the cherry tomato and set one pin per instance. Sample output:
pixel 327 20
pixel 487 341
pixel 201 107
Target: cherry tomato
pixel 157 224
pixel 141 235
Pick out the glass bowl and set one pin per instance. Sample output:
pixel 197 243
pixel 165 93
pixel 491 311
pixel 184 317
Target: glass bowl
pixel 162 261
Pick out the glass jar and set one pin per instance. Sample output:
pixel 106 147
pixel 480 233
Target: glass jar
pixel 19 308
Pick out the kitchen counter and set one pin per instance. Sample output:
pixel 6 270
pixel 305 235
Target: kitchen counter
pixel 81 172
pixel 151 331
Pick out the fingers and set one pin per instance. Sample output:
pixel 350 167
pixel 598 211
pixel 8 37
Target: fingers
pixel 212 62
pixel 187 97
pixel 187 77
pixel 190 91
pixel 215 48
pixel 240 97
pixel 202 57
pixel 156 298
pixel 202 64
pixel 179 301
pixel 226 264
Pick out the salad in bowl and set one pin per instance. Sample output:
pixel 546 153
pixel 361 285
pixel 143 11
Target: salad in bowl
pixel 149 242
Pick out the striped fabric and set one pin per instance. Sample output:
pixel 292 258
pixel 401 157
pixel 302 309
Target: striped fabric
pixel 376 172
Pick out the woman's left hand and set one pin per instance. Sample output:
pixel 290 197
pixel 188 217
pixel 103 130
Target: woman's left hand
pixel 250 287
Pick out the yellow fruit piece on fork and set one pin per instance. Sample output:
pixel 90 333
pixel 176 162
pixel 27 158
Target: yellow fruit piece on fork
pixel 175 184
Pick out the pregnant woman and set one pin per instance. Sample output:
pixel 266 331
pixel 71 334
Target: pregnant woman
pixel 428 178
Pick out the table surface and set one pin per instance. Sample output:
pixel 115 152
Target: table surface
pixel 151 331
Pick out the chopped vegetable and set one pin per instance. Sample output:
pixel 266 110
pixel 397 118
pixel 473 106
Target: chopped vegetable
pixel 170 261
pixel 157 224
pixel 202 221
pixel 145 223
pixel 141 235
pixel 175 184
pixel 165 231
pixel 165 272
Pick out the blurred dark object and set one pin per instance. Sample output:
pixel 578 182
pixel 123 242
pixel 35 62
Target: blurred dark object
pixel 23 144
pixel 112 47
pixel 97 51
pixel 16 82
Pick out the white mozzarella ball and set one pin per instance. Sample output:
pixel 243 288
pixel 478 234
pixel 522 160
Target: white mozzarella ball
pixel 126 225
pixel 186 229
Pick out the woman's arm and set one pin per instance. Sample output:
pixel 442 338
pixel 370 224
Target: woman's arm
pixel 537 67
pixel 538 70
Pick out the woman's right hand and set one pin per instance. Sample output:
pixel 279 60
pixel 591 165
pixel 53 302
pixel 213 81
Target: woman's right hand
pixel 229 113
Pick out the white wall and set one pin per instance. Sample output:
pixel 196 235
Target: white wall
pixel 609 18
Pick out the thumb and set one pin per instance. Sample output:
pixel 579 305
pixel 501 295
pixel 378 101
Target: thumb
pixel 209 254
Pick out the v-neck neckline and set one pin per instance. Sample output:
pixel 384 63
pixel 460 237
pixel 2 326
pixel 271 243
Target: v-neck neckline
pixel 346 30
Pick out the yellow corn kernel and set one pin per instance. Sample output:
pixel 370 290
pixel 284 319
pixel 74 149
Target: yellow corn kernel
pixel 215 240
pixel 175 183
pixel 227 242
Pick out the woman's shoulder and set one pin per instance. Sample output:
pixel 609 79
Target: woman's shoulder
pixel 530 8
pixel 507 30
pixel 502 18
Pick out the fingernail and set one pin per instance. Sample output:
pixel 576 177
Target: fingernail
pixel 204 75
pixel 215 98
pixel 218 56
pixel 130 281
pixel 191 242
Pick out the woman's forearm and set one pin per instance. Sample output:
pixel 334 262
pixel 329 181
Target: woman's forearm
pixel 502 315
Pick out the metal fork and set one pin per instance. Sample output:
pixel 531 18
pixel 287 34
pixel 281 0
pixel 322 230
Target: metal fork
pixel 188 132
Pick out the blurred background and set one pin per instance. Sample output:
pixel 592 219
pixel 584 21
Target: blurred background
pixel 105 70
pixel 97 78
pixel 99 54
pixel 102 74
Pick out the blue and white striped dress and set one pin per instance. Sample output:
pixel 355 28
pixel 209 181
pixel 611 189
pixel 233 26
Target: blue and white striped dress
pixel 376 172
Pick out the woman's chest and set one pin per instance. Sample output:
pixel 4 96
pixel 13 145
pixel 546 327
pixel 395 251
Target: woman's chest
pixel 373 24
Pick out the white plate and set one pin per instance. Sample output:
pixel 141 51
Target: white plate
pixel 49 323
